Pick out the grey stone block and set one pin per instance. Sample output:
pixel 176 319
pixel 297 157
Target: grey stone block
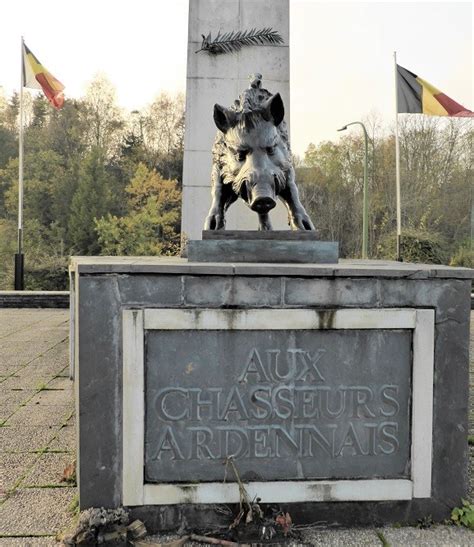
pixel 163 291
pixel 325 292
pixel 99 394
pixel 263 251
pixel 345 268
pixel 196 372
pixel 257 291
pixel 208 291
pixel 232 291
pixel 283 235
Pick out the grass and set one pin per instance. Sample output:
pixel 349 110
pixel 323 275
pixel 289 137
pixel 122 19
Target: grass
pixel 47 486
pixel 73 507
pixel 382 538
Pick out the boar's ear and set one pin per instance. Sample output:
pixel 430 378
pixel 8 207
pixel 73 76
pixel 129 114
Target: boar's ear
pixel 273 109
pixel 224 118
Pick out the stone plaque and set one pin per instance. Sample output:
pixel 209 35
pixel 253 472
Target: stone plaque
pixel 286 405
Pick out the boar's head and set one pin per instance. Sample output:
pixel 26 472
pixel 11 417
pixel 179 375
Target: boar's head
pixel 254 157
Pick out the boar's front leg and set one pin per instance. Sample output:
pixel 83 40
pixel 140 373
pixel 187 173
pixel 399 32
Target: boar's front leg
pixel 223 196
pixel 297 215
pixel 215 219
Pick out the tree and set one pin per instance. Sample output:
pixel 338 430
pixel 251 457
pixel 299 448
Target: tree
pixel 436 188
pixel 152 224
pixel 104 121
pixel 161 130
pixel 93 199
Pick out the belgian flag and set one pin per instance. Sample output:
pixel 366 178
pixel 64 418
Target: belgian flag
pixel 36 76
pixel 417 96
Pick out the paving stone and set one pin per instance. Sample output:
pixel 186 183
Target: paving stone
pixel 6 411
pixel 49 337
pixel 7 369
pixel 66 440
pixel 24 438
pixel 36 511
pixel 37 415
pixel 48 470
pixel 431 537
pixel 72 421
pixel 43 329
pixel 29 542
pixel 62 382
pixel 53 397
pixel 12 468
pixel 27 381
pixel 19 353
pixel 14 397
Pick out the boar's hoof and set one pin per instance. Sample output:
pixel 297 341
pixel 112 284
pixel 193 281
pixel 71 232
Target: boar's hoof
pixel 263 205
pixel 301 222
pixel 214 221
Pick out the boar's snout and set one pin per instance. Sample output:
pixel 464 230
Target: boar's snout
pixel 262 192
pixel 262 204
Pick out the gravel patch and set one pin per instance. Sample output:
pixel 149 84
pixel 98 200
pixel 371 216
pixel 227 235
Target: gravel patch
pixel 451 536
pixel 341 538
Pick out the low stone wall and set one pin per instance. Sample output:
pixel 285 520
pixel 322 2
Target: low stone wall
pixel 34 299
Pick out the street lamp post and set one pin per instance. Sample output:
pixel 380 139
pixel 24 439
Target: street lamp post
pixel 365 211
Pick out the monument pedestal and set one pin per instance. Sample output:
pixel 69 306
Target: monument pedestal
pixel 272 246
pixel 324 383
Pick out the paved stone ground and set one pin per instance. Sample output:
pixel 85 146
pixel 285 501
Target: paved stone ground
pixel 36 426
pixel 37 437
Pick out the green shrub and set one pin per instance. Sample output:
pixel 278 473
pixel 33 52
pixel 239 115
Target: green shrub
pixel 49 274
pixel 464 515
pixel 464 257
pixel 416 246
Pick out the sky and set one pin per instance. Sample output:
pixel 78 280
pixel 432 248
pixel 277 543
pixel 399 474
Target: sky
pixel 341 53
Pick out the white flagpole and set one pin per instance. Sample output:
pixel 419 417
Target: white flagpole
pixel 19 274
pixel 397 163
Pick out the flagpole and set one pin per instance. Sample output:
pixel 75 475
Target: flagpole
pixel 19 257
pixel 397 164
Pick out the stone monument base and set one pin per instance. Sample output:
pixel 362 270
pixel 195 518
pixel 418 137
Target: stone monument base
pixel 280 246
pixel 340 391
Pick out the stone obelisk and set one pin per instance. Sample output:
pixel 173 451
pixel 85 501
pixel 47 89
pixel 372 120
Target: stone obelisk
pixel 220 79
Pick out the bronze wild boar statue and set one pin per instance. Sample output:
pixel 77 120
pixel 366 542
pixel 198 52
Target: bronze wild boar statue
pixel 252 160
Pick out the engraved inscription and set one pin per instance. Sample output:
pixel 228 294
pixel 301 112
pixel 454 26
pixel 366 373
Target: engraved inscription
pixel 303 404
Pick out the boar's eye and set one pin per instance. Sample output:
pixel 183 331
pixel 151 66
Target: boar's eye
pixel 242 154
pixel 270 150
